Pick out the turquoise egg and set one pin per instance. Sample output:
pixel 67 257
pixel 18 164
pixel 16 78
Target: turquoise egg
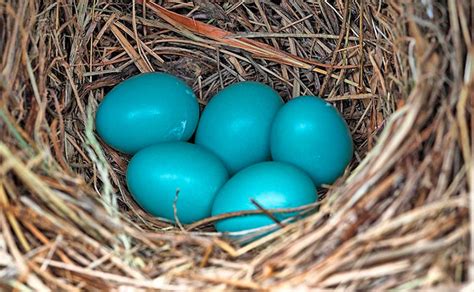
pixel 236 124
pixel 272 185
pixel 147 109
pixel 158 173
pixel 311 134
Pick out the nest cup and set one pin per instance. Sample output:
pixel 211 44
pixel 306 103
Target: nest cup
pixel 399 73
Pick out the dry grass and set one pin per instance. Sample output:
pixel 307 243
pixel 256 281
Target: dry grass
pixel 402 74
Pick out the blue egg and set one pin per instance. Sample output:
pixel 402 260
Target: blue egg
pixel 159 173
pixel 272 185
pixel 311 134
pixel 147 109
pixel 236 124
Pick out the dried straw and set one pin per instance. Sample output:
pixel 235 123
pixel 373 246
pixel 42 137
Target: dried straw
pixel 402 74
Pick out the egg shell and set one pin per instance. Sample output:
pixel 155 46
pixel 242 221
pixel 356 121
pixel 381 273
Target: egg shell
pixel 311 134
pixel 236 124
pixel 156 173
pixel 272 185
pixel 147 109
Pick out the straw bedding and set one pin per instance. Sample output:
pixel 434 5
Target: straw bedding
pixel 400 73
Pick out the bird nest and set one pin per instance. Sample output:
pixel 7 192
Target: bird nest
pixel 401 74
